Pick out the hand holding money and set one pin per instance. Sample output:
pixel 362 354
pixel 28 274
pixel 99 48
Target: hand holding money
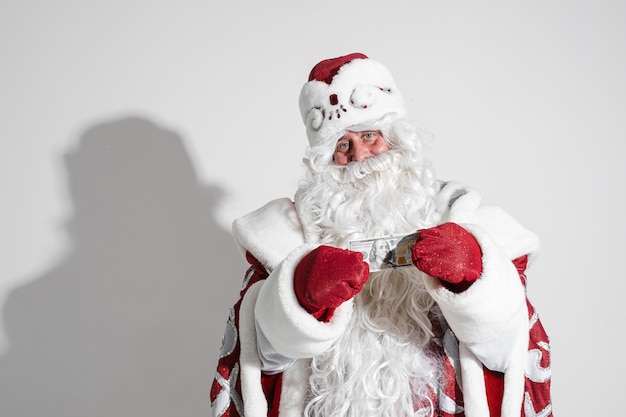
pixel 450 253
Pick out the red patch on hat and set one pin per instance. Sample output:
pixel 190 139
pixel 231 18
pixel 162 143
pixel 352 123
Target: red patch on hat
pixel 328 68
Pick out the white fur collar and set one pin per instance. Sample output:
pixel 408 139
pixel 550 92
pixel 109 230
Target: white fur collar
pixel 270 232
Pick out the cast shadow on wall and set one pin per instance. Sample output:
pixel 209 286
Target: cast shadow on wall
pixel 129 323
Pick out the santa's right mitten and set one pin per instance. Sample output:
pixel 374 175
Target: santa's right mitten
pixel 327 277
pixel 450 253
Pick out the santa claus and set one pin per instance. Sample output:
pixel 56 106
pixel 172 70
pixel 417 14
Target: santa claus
pixel 317 333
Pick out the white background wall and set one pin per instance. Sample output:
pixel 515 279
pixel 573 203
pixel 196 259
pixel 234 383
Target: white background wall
pixel 133 133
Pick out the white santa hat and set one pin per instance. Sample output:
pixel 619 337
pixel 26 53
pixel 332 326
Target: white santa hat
pixel 347 91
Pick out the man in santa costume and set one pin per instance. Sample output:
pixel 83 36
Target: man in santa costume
pixel 317 333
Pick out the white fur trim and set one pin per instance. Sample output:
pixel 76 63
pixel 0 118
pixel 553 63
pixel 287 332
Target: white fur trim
pixel 270 232
pixel 514 376
pixel 294 389
pixel 365 92
pixel 513 238
pixel 254 400
pixel 294 380
pixel 460 204
pixel 497 352
pixel 474 391
pixel 289 328
pixel 456 202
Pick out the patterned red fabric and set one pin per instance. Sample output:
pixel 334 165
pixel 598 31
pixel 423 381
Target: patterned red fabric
pixel 537 396
pixel 226 398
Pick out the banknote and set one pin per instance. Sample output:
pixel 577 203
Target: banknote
pixel 385 252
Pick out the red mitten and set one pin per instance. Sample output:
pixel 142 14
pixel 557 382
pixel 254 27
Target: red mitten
pixel 327 277
pixel 450 253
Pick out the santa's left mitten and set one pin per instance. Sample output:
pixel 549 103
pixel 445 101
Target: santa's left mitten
pixel 327 277
pixel 450 253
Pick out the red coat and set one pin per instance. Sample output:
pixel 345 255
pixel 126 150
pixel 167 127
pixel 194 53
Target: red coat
pixel 469 387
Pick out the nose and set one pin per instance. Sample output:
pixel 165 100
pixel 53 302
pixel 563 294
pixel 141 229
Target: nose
pixel 359 151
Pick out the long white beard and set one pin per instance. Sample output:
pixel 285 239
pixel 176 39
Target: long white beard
pixel 379 366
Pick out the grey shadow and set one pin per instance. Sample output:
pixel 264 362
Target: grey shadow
pixel 129 323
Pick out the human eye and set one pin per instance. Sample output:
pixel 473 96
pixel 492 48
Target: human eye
pixel 342 146
pixel 369 136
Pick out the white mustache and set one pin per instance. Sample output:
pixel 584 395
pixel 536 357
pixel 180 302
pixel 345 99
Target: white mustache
pixel 355 171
